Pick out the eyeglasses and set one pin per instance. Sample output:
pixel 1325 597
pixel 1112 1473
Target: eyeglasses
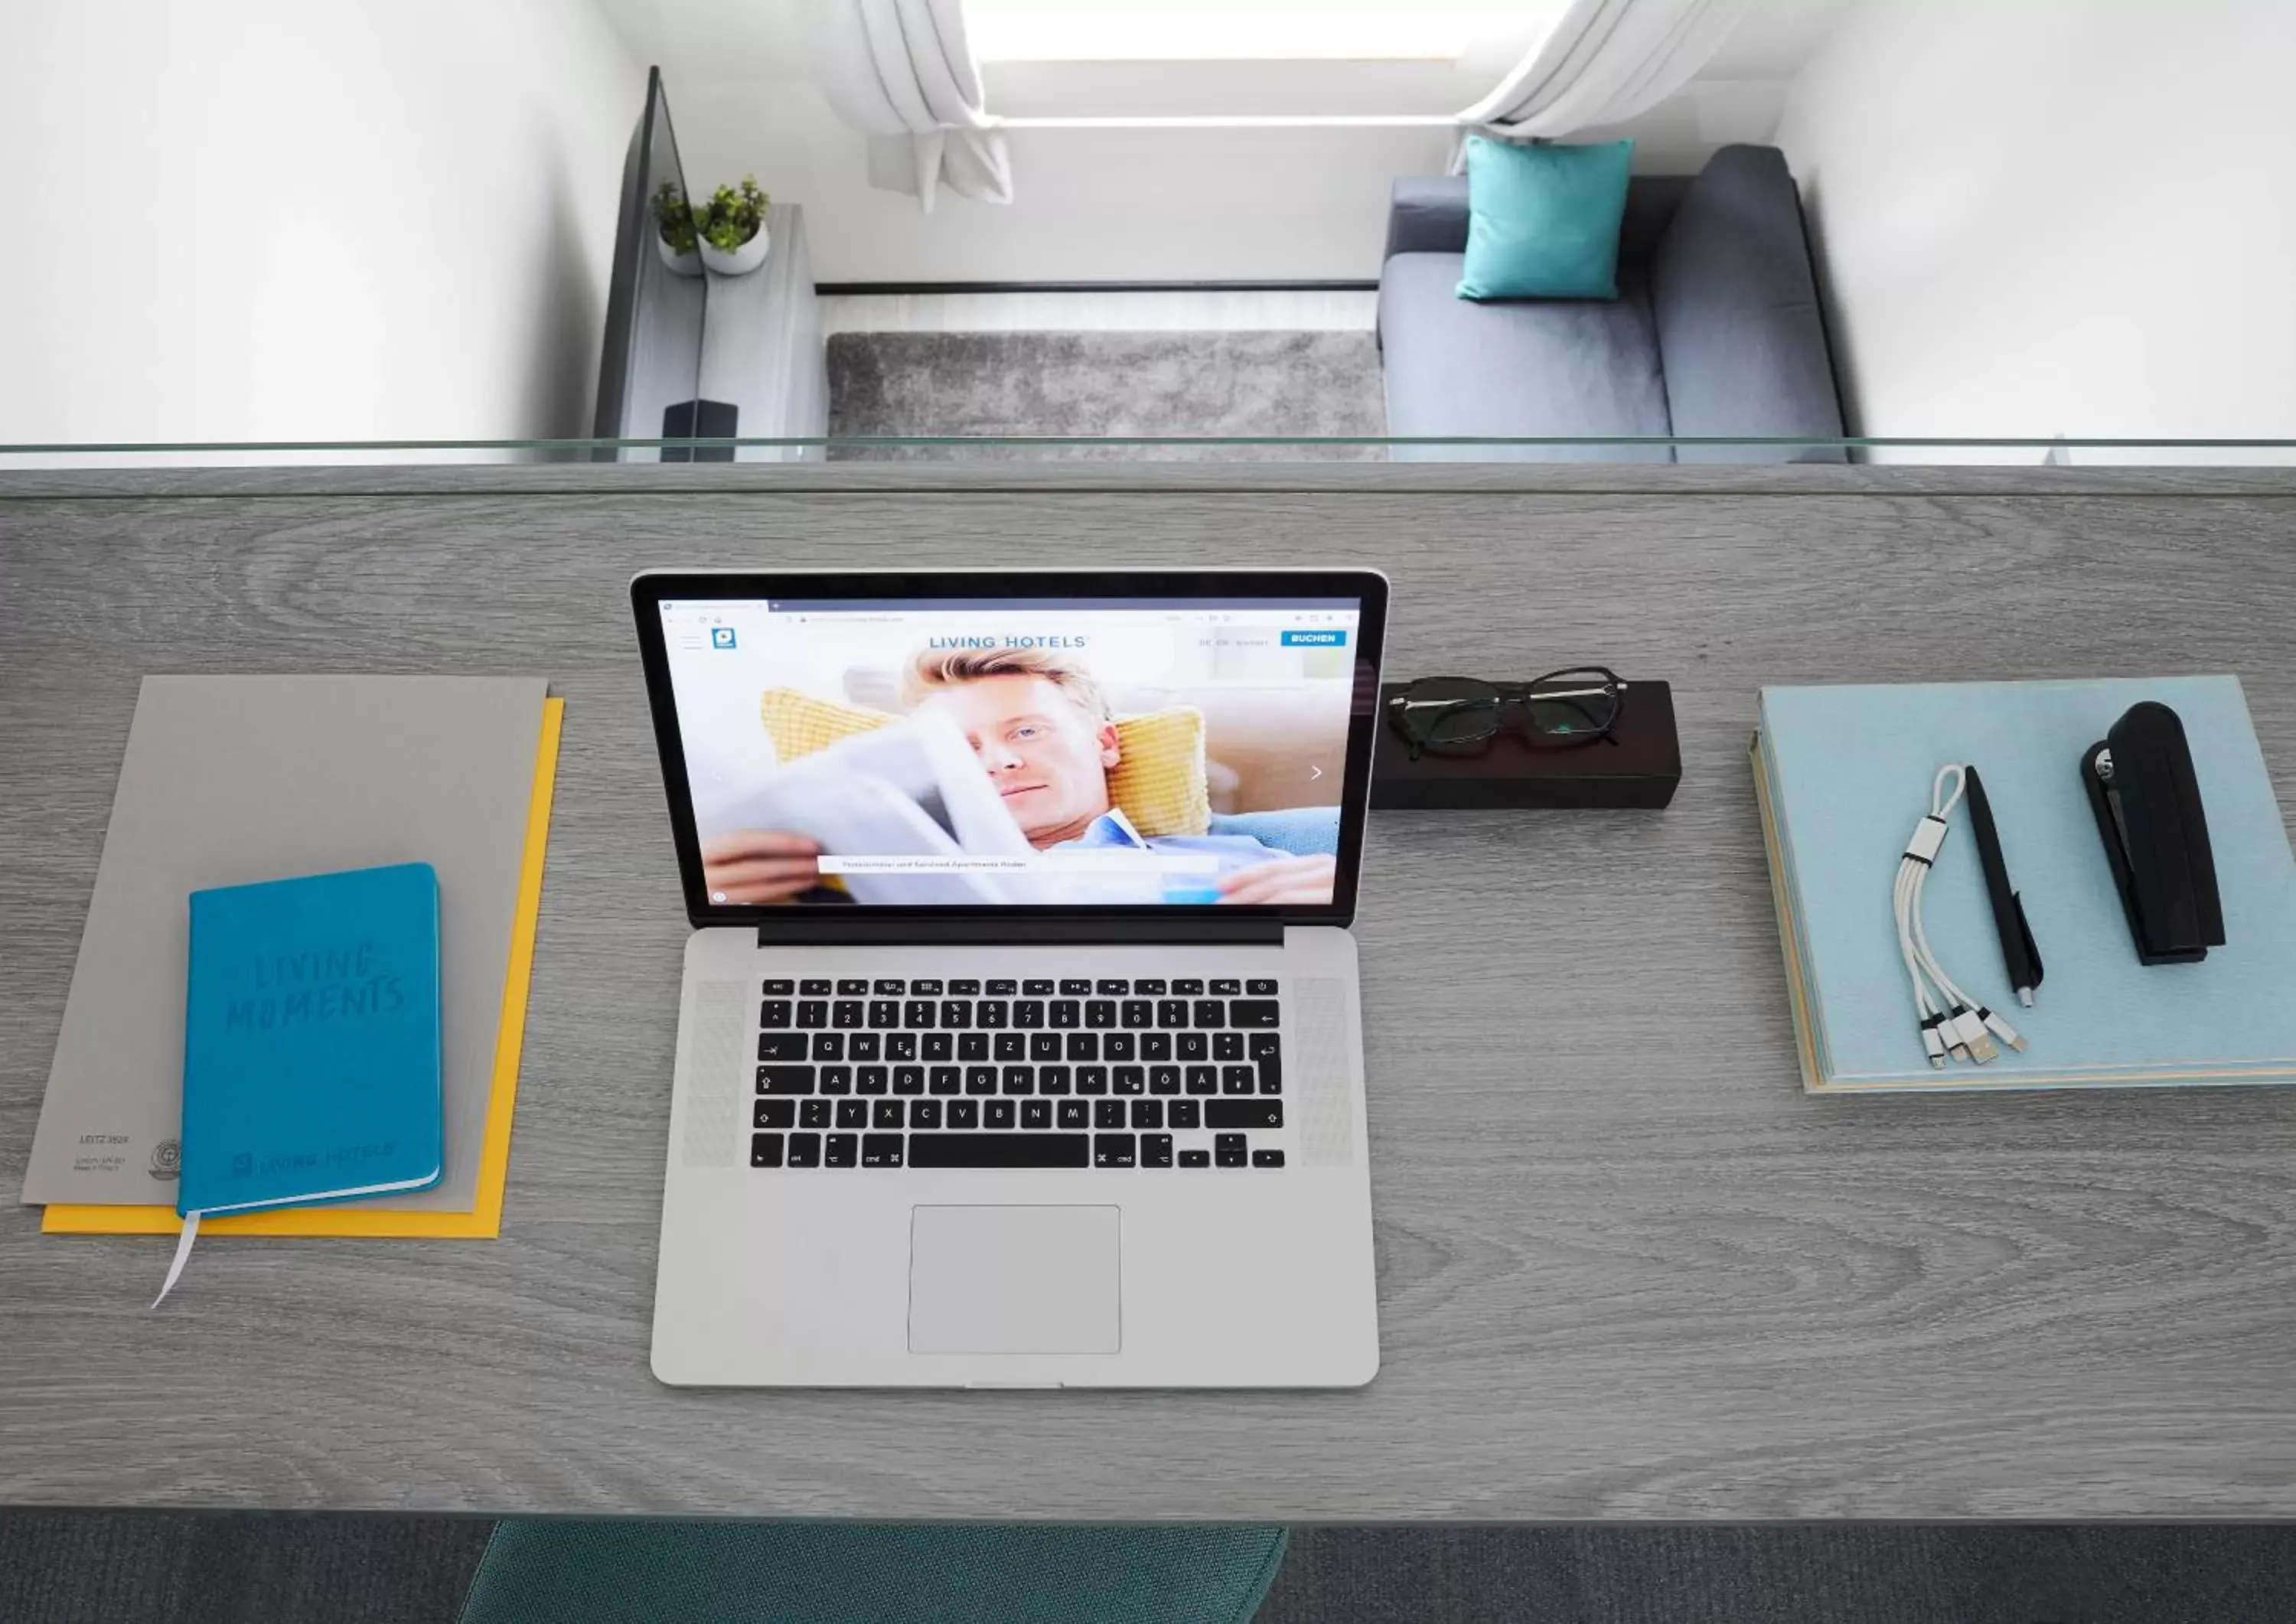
pixel 1460 715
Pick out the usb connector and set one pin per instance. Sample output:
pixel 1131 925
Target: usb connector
pixel 1968 1030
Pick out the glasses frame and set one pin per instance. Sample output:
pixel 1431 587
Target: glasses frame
pixel 1507 697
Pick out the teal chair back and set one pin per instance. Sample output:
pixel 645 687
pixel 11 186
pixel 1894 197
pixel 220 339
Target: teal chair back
pixel 573 1571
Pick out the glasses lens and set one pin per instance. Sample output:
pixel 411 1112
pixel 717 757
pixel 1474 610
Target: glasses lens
pixel 1450 710
pixel 1574 704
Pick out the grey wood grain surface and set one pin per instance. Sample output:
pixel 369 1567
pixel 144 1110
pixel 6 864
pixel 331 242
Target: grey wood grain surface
pixel 1626 1268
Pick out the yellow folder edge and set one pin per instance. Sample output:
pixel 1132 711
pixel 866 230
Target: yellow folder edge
pixel 483 1221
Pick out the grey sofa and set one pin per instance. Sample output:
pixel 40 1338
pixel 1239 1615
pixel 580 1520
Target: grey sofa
pixel 1716 329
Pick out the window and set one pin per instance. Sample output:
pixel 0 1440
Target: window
pixel 1232 31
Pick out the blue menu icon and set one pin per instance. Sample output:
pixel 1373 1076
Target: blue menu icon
pixel 721 636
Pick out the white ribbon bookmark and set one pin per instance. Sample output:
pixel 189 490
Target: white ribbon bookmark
pixel 183 1256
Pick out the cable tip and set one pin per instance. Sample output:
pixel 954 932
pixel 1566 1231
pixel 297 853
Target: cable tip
pixel 2025 997
pixel 1937 1063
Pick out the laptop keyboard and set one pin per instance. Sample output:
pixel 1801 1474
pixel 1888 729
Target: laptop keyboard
pixel 1056 1073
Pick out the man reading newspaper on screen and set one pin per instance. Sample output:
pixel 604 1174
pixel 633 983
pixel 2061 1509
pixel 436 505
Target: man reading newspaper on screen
pixel 1040 726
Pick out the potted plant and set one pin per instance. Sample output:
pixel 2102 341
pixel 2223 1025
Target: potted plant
pixel 732 226
pixel 675 238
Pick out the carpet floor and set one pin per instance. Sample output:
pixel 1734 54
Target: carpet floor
pixel 1097 385
pixel 169 1568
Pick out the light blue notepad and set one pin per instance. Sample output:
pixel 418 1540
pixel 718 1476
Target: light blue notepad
pixel 1845 773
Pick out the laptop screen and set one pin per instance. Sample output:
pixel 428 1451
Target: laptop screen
pixel 1018 751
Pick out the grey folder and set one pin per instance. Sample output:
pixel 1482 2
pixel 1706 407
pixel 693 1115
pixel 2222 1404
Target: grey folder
pixel 233 779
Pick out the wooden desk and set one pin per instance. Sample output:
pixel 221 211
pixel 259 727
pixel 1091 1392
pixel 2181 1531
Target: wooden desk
pixel 1627 1270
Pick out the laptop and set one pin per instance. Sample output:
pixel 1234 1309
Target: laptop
pixel 1018 1041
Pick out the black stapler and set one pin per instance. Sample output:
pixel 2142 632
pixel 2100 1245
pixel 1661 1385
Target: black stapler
pixel 2147 801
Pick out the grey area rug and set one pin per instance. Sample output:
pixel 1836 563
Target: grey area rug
pixel 1097 385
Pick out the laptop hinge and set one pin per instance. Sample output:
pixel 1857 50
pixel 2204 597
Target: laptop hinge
pixel 856 929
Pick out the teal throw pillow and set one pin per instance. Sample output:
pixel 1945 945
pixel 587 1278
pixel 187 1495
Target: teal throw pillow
pixel 1542 221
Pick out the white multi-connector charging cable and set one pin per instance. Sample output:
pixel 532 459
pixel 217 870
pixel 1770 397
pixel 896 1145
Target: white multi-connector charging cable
pixel 1953 1023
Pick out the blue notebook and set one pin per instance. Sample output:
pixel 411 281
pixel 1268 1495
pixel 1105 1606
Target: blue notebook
pixel 311 1056
pixel 1844 774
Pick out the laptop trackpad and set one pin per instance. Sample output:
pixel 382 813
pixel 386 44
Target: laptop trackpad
pixel 1014 1280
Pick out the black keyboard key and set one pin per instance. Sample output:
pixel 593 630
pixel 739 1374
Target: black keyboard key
pixel 862 1045
pixel 972 1046
pixel 1155 1150
pixel 1267 1158
pixel 840 1150
pixel 829 1046
pixel 1136 1013
pixel 813 1012
pixel 964 1114
pixel 947 1079
pixel 1111 989
pixel 1185 1113
pixel 1227 1046
pixel 1244 1113
pixel 764 1149
pixel 784 1080
pixel 1083 1045
pixel 884 1011
pixel 1227 989
pixel 848 1015
pixel 1114 1150
pixel 939 1046
pixel 1075 1114
pixel 1051 1080
pixel 884 988
pixel 1011 1046
pixel 1271 1076
pixel 837 1080
pixel 964 990
pixel 1260 989
pixel 1107 1114
pixel 853 987
pixel 782 1045
pixel 1228 1151
pixel 1195 1045
pixel 1128 1080
pixel 1018 1080
pixel 779 989
pixel 774 1113
pixel 909 1079
pixel 1187 989
pixel 886 1114
pixel 926 1113
pixel 852 1113
pixel 815 1113
pixel 1239 1079
pixel 774 1014
pixel 1263 1045
pixel 1029 1014
pixel 1067 1014
pixel 1075 988
pixel 999 1151
pixel 918 1012
pixel 1251 1012
pixel 1148 988
pixel 1100 1014
pixel 999 1114
pixel 1117 1046
pixel 1155 1045
pixel 881 1150
pixel 1147 1113
pixel 900 1046
pixel 955 1012
pixel 1163 1079
pixel 1172 1014
pixel 869 1079
pixel 805 1149
pixel 1003 989
pixel 1195 1159
pixel 813 989
pixel 979 1079
pixel 1044 1046
pixel 1036 1113
pixel 991 1016
pixel 1036 988
pixel 1203 1079
pixel 1092 1079
pixel 1206 1012
pixel 924 990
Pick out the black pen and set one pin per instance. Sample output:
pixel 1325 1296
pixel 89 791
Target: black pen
pixel 2019 953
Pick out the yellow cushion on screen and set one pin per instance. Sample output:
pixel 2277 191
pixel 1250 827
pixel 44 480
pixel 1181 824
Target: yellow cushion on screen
pixel 1158 782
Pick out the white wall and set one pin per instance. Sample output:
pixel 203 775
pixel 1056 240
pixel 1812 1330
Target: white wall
pixel 305 219
pixel 2056 216
pixel 1096 205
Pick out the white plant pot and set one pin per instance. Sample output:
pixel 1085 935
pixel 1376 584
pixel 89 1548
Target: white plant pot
pixel 742 261
pixel 680 265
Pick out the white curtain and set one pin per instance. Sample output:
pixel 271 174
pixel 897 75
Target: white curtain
pixel 901 72
pixel 1602 62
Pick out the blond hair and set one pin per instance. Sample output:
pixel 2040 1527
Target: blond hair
pixel 945 668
